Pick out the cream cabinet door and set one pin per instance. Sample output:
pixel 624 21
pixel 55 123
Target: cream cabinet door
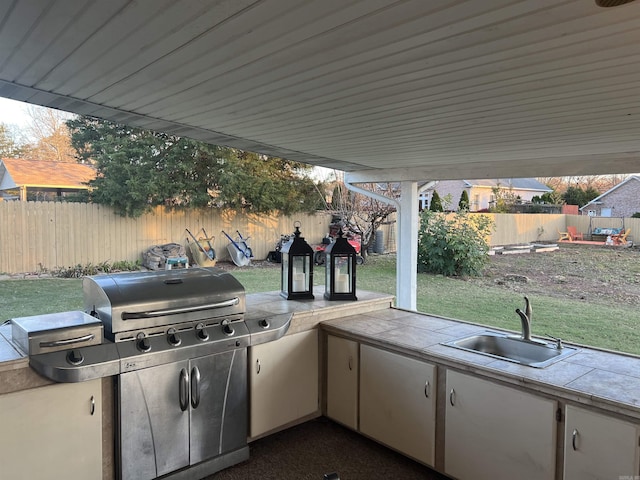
pixel 283 381
pixel 342 381
pixel 397 402
pixel 496 432
pixel 599 447
pixel 52 432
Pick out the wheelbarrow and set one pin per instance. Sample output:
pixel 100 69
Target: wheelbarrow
pixel 201 248
pixel 239 250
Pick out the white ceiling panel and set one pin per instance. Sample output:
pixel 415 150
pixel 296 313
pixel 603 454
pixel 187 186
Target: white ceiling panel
pixel 408 89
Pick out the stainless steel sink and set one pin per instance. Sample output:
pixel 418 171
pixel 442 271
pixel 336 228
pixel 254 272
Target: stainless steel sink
pixel 513 349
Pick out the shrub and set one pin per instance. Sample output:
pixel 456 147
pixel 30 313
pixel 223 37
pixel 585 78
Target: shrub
pixel 636 215
pixel 79 271
pixel 453 244
pixel 463 204
pixel 436 204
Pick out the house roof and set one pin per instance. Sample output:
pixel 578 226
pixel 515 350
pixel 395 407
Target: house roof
pixel 399 90
pixel 16 173
pixel 515 183
pixel 632 178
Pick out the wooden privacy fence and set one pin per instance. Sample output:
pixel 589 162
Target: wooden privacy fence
pixel 513 229
pixel 40 236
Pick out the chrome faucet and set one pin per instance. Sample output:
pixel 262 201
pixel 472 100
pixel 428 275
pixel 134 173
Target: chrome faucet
pixel 525 319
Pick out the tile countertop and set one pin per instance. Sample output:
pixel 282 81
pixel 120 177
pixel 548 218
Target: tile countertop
pixel 603 379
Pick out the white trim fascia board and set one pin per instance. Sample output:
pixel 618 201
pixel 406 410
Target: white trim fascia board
pixel 594 164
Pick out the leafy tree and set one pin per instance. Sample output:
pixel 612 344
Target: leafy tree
pixel 138 169
pixel 463 204
pixel 453 244
pixel 550 198
pixel 505 199
pixel 578 196
pixel 436 203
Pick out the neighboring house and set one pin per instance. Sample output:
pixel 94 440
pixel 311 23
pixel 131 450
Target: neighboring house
pixel 623 200
pixel 481 195
pixel 46 179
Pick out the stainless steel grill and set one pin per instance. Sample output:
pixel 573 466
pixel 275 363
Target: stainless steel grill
pixel 176 342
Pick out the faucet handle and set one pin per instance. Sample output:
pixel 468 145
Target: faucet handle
pixel 558 341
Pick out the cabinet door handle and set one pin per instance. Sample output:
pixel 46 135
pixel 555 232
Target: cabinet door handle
pixel 92 407
pixel 183 390
pixel 574 437
pixel 350 362
pixel 452 397
pixel 258 366
pixel 427 389
pixel 195 387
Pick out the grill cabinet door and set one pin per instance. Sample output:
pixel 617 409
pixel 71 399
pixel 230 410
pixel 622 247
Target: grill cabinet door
pixel 154 428
pixel 219 407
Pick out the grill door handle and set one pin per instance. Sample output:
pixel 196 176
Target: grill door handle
pixel 195 387
pixel 183 388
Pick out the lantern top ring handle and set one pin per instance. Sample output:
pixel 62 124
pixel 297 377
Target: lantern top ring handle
pixel 297 224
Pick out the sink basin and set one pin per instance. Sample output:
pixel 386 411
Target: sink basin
pixel 513 349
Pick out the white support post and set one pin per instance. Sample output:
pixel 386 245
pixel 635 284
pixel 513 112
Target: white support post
pixel 407 259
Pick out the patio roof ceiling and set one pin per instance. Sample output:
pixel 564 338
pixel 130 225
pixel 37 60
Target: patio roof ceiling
pixel 386 89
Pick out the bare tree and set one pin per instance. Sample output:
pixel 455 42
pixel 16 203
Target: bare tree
pixel 10 145
pixel 600 183
pixel 50 136
pixel 360 213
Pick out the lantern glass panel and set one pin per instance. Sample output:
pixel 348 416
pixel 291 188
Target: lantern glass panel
pixel 342 273
pixel 300 280
pixel 285 272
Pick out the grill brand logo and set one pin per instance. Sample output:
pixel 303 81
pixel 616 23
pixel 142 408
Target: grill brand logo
pixel 130 365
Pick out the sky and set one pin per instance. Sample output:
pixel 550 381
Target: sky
pixel 13 113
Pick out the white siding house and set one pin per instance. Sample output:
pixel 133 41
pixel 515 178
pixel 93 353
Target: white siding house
pixel 481 196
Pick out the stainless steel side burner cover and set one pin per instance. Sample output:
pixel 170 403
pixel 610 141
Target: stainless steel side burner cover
pixel 56 331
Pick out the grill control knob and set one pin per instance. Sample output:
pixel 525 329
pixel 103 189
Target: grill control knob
pixel 264 323
pixel 173 338
pixel 143 343
pixel 201 333
pixel 227 329
pixel 74 357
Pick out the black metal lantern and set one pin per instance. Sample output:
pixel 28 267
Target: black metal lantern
pixel 340 281
pixel 296 275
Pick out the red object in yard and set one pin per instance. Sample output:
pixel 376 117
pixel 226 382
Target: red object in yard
pixel 353 239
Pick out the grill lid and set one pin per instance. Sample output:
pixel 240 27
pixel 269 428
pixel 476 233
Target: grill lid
pixel 133 301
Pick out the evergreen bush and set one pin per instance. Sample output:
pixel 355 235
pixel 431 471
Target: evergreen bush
pixel 463 204
pixel 436 203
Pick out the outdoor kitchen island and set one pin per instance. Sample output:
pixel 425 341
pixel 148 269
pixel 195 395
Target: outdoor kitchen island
pixel 392 371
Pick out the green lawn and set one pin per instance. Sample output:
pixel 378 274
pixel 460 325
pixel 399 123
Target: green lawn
pixel 612 327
